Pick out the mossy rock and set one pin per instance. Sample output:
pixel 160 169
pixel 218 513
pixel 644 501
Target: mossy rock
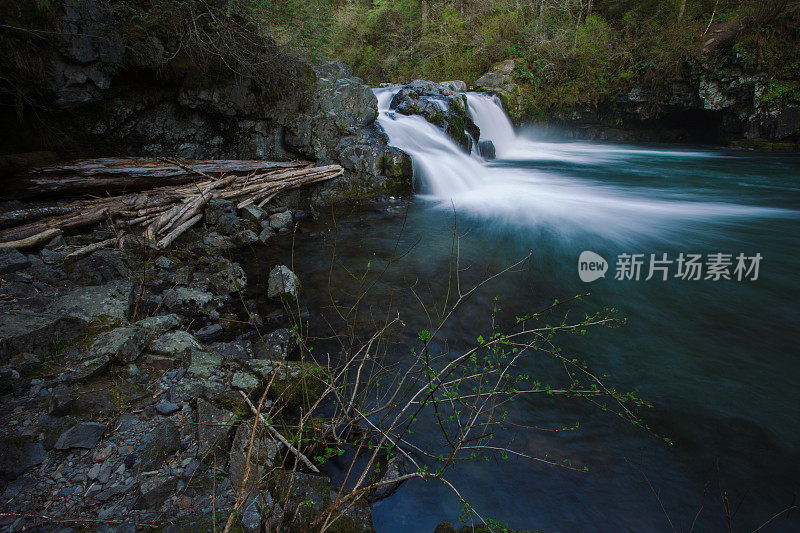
pixel 298 384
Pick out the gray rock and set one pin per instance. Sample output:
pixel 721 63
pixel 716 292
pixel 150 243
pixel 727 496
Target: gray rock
pixel 81 435
pixel 165 263
pixel 203 363
pixel 155 326
pixel 253 213
pixel 35 331
pixel 244 238
pixel 456 86
pixel 60 401
pixel 282 283
pixel 160 362
pixel 98 302
pixel 158 446
pixel 18 454
pixel 12 260
pixel 122 344
pixel 167 408
pixel 241 350
pixel 251 516
pixel 394 469
pixel 208 333
pixel 279 344
pixel 281 220
pixel 228 277
pixel 266 234
pixel 262 457
pixel 213 425
pixel 174 344
pixel 244 381
pixel 190 302
pixel 486 149
pixel 155 491
pixel 217 208
pixel 90 368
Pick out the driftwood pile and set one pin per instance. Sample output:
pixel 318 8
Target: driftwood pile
pixel 165 197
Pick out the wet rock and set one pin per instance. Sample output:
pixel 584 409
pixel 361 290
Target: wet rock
pixel 262 457
pixel 279 344
pixel 456 86
pixel 213 425
pixel 157 447
pixel 12 260
pixel 244 238
pixel 190 302
pixel 227 277
pixel 282 283
pixel 233 350
pixel 155 491
pixel 203 363
pixel 122 344
pixel 281 220
pixel 18 454
pixel 178 344
pixel 266 234
pixel 486 149
pixel 394 469
pixel 81 435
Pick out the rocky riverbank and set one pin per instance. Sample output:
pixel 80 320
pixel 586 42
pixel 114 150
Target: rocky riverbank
pixel 127 382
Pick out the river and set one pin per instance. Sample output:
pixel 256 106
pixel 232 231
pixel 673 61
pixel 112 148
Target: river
pixel 716 357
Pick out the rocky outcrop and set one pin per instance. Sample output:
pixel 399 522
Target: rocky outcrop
pixel 104 101
pixel 441 105
pixel 499 80
pixel 719 105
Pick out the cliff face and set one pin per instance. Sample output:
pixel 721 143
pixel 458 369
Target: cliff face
pixel 709 105
pixel 91 96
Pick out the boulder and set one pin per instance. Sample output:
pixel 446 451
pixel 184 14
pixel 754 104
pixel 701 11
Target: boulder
pixel 155 326
pixel 120 344
pixel 97 303
pixel 262 457
pixel 279 344
pixel 158 446
pixel 39 332
pixel 203 363
pixel 155 491
pixel 190 302
pixel 499 80
pixel 12 260
pixel 241 350
pixel 227 277
pixel 282 283
pixel 18 454
pixel 213 425
pixel 174 344
pixel 254 214
pixel 81 435
pixel 486 149
pixel 280 220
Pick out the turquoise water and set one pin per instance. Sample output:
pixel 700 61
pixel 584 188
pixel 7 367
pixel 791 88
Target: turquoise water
pixel 718 359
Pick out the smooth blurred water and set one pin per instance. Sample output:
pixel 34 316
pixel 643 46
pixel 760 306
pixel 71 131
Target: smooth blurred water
pixel 719 359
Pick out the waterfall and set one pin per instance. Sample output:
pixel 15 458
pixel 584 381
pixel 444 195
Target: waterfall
pixel 535 183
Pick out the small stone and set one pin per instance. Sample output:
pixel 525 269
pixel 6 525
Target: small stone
pixel 153 492
pixel 244 238
pixel 94 471
pixel 82 435
pixel 282 283
pixel 167 408
pixel 253 213
pixel 102 454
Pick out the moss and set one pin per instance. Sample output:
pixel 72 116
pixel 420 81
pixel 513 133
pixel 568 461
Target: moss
pixel 303 389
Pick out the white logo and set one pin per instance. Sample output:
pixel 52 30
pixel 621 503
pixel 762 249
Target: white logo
pixel 591 266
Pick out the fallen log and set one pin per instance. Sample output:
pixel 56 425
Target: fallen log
pixel 122 174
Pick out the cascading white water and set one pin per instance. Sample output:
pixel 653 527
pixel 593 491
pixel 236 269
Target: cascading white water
pixel 520 188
